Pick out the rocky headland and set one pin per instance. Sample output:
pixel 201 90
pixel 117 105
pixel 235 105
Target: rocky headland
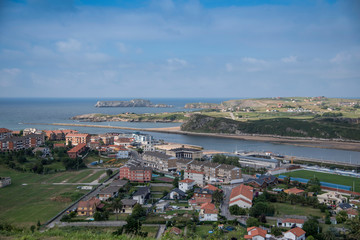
pixel 131 103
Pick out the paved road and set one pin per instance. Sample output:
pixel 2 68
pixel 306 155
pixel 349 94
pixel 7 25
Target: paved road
pixel 225 204
pixel 160 231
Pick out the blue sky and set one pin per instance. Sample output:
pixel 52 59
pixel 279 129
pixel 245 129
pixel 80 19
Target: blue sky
pixel 169 48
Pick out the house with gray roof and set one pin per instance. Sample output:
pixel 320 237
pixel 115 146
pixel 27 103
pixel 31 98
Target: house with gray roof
pixel 141 195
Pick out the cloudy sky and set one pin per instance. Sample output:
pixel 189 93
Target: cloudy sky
pixel 179 48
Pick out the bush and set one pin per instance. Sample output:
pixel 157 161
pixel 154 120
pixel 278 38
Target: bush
pixel 236 210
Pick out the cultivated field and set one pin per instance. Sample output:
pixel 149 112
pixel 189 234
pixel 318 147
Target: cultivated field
pixel 32 197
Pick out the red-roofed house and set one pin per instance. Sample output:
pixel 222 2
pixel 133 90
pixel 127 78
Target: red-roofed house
pixel 208 212
pixel 87 208
pixel 295 234
pixel 212 188
pixel 75 151
pixel 5 133
pixel 294 190
pixel 352 213
pixel 186 184
pixel 242 196
pixel 255 233
pixel 290 222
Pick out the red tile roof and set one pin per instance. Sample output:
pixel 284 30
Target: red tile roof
pixel 242 190
pixel 77 135
pixel 211 187
pixel 194 171
pixel 352 211
pixel 293 191
pixel 293 220
pixel 4 130
pixel 188 180
pixel 209 208
pixel 255 231
pixel 297 231
pixel 77 148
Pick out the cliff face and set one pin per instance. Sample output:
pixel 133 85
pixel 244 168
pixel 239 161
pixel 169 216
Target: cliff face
pixel 276 126
pixel 131 103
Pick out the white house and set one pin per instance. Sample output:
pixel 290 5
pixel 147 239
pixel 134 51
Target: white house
pixel 208 212
pixel 177 194
pixel 290 222
pixel 197 176
pixel 256 233
pixel 295 234
pixel 141 195
pixel 186 185
pixel 242 196
pixel 331 198
pixel 122 153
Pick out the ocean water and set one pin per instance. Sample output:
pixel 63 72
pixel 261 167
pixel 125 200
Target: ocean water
pixel 14 113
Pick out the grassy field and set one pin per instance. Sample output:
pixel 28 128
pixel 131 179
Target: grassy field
pixel 30 198
pixel 327 177
pixel 282 209
pixel 82 176
pixel 160 188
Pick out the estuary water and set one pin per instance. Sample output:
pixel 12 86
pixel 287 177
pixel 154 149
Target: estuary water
pixel 17 111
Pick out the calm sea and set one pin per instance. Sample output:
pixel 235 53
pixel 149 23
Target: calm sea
pixel 15 112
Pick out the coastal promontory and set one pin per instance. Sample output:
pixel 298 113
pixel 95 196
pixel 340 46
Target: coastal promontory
pixel 131 103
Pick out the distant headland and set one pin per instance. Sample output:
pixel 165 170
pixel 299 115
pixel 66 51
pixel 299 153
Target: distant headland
pixel 131 103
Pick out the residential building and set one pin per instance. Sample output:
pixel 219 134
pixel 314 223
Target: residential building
pixel 210 170
pixel 125 142
pixel 185 153
pixel 174 230
pixel 88 208
pixel 186 184
pixel 108 192
pixel 128 205
pixel 212 188
pixel 28 131
pixel 141 195
pixel 5 133
pixel 295 234
pixel 290 222
pixel 122 153
pixel 58 135
pixel 198 177
pixel 227 173
pixel 23 142
pixel 208 212
pixel 352 213
pixel 143 139
pixel 4 181
pixel 119 183
pixel 136 173
pixel 177 194
pixel 183 164
pixel 77 150
pixel 262 181
pixel 76 138
pixel 200 197
pixel 106 139
pixel 331 198
pixel 242 196
pixel 159 161
pixel 256 233
pixel 161 206
pixel 196 165
pixel 295 191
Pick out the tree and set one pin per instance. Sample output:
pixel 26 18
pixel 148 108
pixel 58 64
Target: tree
pixel 32 228
pixel 354 228
pixel 218 197
pixel 252 222
pixel 236 210
pixel 292 198
pixel 341 217
pixel 109 172
pixel 101 216
pixel 312 227
pixel 261 208
pixel 182 174
pixel 133 225
pixel 276 231
pixel 138 211
pixel 140 150
pixel 313 185
pixel 176 182
pixel 116 206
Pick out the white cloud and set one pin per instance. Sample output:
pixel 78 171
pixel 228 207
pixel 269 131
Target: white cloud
pixel 122 47
pixel 8 75
pixel 252 60
pixel 341 57
pixel 290 59
pixel 176 63
pixel 229 67
pixel 97 57
pixel 69 45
